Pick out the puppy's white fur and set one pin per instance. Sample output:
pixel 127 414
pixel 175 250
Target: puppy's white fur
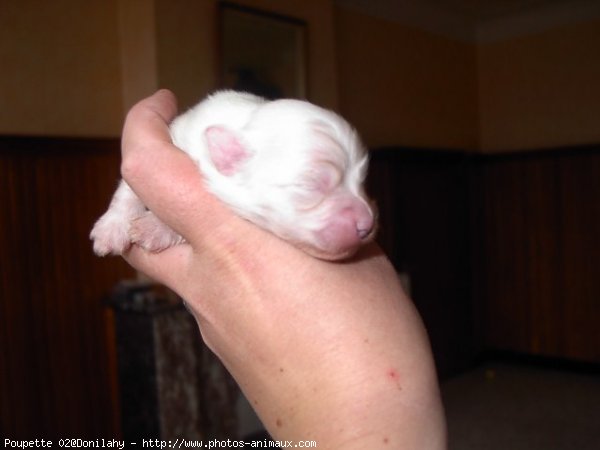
pixel 288 166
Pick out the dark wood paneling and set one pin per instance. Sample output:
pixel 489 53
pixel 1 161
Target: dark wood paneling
pixel 503 251
pixel 57 374
pixel 580 207
pixel 423 201
pixel 540 253
pixel 510 240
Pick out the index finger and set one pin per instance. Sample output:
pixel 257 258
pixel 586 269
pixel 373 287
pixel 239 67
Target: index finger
pixel 167 181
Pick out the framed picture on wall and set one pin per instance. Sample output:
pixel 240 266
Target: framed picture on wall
pixel 262 52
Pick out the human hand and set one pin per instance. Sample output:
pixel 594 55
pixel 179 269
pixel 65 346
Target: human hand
pixel 333 352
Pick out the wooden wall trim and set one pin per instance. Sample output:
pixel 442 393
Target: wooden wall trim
pixel 10 144
pixel 440 154
pixel 539 217
pixel 452 220
pixel 57 374
pixel 530 221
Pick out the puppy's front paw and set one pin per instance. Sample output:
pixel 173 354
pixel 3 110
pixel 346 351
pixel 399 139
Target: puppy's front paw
pixel 110 234
pixel 151 234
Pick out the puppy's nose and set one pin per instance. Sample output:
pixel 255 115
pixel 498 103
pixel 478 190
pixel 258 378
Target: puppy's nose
pixel 365 221
pixel 363 233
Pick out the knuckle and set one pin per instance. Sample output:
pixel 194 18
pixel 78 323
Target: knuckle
pixel 130 167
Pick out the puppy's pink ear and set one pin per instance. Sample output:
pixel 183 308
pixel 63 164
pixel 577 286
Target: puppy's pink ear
pixel 226 150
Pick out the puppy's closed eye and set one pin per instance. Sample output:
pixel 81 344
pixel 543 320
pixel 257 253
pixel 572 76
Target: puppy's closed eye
pixel 316 184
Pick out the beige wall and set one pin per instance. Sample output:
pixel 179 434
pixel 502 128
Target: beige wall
pixel 402 86
pixel 541 90
pixel 138 53
pixel 73 68
pixel 59 68
pixel 186 40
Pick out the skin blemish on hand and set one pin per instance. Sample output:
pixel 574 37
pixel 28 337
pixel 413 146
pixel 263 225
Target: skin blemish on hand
pixel 278 422
pixel 394 376
pixel 386 440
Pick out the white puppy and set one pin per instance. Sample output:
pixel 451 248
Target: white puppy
pixel 288 166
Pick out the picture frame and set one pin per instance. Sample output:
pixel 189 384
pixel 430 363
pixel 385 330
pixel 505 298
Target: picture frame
pixel 262 52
